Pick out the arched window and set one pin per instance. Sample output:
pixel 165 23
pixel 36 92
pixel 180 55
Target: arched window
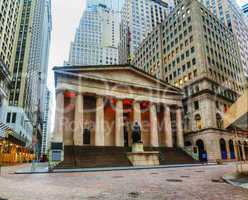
pixel 223 149
pixel 198 121
pixel 202 154
pixel 219 121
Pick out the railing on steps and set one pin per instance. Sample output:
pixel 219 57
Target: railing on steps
pixel 190 152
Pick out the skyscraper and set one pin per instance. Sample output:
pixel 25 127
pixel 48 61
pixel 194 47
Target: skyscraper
pixel 192 49
pixel 138 18
pixel 232 16
pixel 97 37
pixel 245 9
pixel 115 5
pixel 29 67
pixel 8 27
pixel 46 123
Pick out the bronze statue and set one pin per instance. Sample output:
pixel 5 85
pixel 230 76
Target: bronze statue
pixel 136 133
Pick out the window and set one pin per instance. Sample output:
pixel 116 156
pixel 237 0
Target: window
pixel 196 105
pixel 193 61
pixel 198 121
pixel 8 117
pixel 14 118
pixel 195 73
pixel 192 49
pixel 219 121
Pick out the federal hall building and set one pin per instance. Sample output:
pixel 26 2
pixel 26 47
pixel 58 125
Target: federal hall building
pixel 97 106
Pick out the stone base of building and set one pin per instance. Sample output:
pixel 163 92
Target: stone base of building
pixel 111 156
pixel 219 144
pixel 146 158
pixel 139 157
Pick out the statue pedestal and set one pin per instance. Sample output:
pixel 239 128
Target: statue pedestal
pixel 137 147
pixel 139 157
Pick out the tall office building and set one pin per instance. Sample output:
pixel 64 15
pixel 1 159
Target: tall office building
pixel 29 68
pixel 115 5
pixel 46 123
pixel 245 9
pixel 97 37
pixel 8 27
pixel 232 16
pixel 198 53
pixel 138 18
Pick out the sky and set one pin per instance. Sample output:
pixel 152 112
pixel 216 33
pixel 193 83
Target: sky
pixel 66 16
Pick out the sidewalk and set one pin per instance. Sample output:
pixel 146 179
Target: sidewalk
pixel 40 169
pixel 237 179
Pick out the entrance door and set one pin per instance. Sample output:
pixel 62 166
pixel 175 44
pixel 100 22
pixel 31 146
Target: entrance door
pixel 201 149
pixel 126 129
pixel 223 149
pixel 86 136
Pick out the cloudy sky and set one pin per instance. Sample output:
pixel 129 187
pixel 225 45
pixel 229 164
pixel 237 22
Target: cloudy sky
pixel 66 16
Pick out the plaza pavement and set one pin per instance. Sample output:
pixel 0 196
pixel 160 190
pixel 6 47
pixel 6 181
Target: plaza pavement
pixel 188 183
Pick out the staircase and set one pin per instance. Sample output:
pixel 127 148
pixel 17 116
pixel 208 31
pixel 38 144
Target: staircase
pixel 170 156
pixel 92 156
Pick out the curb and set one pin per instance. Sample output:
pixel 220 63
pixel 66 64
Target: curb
pixel 227 178
pixel 84 170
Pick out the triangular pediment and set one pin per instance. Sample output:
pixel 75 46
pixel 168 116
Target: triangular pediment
pixel 119 73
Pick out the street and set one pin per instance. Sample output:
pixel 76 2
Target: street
pixel 179 183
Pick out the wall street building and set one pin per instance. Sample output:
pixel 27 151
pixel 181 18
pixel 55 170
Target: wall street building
pixel 47 119
pixel 29 67
pixel 9 15
pixel 97 37
pixel 96 107
pixel 232 16
pixel 194 50
pixel 138 18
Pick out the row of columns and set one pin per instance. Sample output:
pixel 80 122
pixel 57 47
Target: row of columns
pixel 119 129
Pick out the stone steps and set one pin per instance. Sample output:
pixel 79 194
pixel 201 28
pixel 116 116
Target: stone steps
pixel 170 156
pixel 92 157
pixel 86 157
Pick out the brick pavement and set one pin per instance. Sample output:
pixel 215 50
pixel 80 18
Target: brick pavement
pixel 159 184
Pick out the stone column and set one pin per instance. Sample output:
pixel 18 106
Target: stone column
pixel 180 139
pixel 119 129
pixel 78 121
pixel 167 127
pixel 228 151
pixel 243 150
pixel 236 150
pixel 99 133
pixel 136 112
pixel 59 117
pixel 154 126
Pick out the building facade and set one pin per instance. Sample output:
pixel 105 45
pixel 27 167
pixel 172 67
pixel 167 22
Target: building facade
pixel 112 4
pixel 194 50
pixel 245 9
pixel 97 37
pixel 9 11
pixel 138 18
pixel 107 101
pixel 232 16
pixel 28 69
pixel 47 118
